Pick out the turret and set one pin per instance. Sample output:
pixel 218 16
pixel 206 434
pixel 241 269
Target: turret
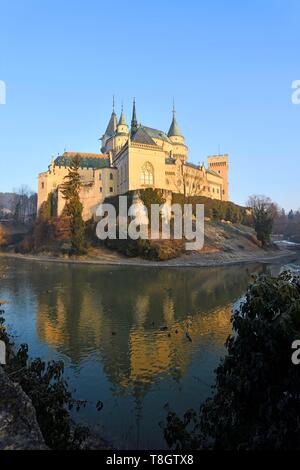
pixel 122 127
pixel 174 132
pixel 111 128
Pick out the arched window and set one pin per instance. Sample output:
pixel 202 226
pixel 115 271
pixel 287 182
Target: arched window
pixel 147 174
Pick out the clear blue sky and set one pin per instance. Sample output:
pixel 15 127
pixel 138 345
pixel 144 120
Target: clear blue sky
pixel 228 64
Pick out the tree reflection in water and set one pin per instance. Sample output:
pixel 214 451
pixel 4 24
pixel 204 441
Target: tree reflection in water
pixel 124 333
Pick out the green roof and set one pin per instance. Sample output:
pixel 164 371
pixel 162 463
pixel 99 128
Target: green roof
pixel 112 125
pixel 85 162
pixel 174 128
pixel 156 134
pixel 212 172
pixel 192 165
pixel 141 136
pixel 122 120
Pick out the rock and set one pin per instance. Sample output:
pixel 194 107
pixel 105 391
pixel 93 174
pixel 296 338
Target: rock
pixel 19 429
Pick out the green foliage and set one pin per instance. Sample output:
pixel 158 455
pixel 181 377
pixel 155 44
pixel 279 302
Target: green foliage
pixel 148 196
pixel 255 404
pixel 73 207
pixel 151 196
pixel 263 227
pixel 45 211
pixel 215 209
pixel 264 213
pixel 45 385
pixel 159 250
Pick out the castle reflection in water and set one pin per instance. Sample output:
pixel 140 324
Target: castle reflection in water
pixel 138 323
pixel 124 335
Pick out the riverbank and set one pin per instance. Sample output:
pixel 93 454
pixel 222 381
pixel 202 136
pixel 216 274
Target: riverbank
pixel 225 244
pixel 19 427
pixel 194 259
pixel 35 404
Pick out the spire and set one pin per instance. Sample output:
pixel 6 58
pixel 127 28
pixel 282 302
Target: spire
pixel 174 128
pixel 122 120
pixel 112 125
pixel 134 123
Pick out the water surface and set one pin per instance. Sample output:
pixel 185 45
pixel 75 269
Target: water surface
pixel 122 333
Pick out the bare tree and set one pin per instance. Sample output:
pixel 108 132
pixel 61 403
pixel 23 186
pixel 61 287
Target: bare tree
pixel 25 204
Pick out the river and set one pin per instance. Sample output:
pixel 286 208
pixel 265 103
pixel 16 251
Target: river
pixel 122 335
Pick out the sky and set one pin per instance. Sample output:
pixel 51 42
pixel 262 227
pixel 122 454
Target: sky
pixel 229 65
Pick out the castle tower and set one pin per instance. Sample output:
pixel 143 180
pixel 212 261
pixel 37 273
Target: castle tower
pixel 219 164
pixel 122 127
pixel 111 128
pixel 120 138
pixel 179 149
pixel 174 132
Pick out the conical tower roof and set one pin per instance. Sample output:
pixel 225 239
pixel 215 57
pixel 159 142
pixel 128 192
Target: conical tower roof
pixel 134 123
pixel 174 128
pixel 113 122
pixel 122 120
pixel 112 125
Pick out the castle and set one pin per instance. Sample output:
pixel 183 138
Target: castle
pixel 132 159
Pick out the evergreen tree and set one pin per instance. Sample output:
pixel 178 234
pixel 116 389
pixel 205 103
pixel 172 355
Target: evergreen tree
pixel 73 208
pixel 264 212
pixel 255 404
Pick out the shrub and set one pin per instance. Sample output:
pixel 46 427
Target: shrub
pixel 45 385
pixel 264 212
pixel 214 208
pixel 255 404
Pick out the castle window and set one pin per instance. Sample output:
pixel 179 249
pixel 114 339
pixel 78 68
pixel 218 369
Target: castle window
pixel 111 176
pixel 43 185
pixel 111 190
pixel 147 174
pixel 100 190
pixel 100 176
